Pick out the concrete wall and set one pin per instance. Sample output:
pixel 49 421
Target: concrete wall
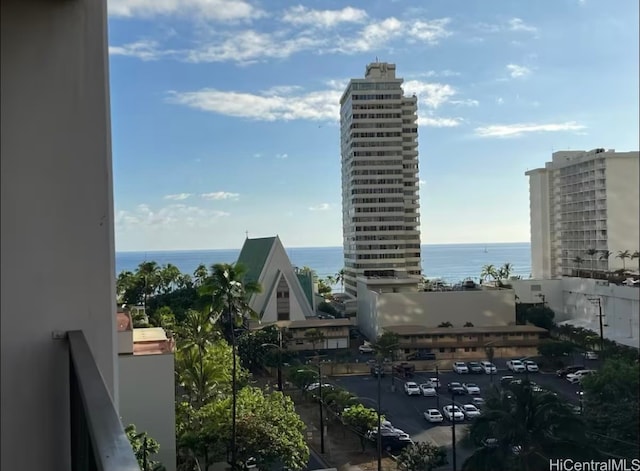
pixel 539 218
pixel 149 404
pixel 57 219
pixel 569 298
pixel 429 309
pixel 623 207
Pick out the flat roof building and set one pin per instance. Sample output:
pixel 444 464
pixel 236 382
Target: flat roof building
pixel 379 155
pixel 583 206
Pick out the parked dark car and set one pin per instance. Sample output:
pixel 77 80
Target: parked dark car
pixel 375 371
pixel 405 369
pixel 561 373
pixel 455 388
pixel 506 380
pixel 421 356
pixel 392 442
pixel 475 367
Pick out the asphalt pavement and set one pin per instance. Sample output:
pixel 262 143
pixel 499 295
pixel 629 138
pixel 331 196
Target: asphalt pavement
pixel 406 412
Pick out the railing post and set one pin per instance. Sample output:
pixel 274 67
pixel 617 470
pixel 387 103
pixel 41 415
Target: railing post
pixel 81 453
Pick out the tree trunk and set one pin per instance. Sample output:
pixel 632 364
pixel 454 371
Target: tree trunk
pixel 233 393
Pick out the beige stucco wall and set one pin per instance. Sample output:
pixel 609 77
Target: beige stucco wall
pixel 429 309
pixel 147 400
pixel 57 219
pixel 482 308
pixel 623 207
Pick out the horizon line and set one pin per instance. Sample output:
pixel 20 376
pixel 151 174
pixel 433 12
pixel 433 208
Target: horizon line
pixel 318 247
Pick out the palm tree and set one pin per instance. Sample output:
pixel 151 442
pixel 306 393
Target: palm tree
pixel 636 254
pixel 149 272
pixel 623 255
pixel 339 278
pixel 386 346
pixel 125 281
pixel 230 298
pixel 169 276
pixel 200 274
pixel 578 261
pixel 604 255
pixel 591 252
pixel 525 428
pixel 505 271
pixel 489 271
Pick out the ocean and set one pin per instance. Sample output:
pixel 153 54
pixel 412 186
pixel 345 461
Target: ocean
pixel 449 262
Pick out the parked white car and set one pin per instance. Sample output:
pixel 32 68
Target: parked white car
pixel 428 390
pixel 471 388
pixel 478 401
pixel 590 355
pixel 531 366
pixel 460 367
pixel 470 411
pixel 365 348
pixel 412 388
pixel 433 416
pixel 453 411
pixel 488 367
pixel 435 382
pixel 577 377
pixel 516 366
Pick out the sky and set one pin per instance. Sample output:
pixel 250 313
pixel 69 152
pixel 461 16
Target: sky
pixel 225 113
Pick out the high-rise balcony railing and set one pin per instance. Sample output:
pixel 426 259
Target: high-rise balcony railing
pixel 98 440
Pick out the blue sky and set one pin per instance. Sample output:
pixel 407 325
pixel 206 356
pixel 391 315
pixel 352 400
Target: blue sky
pixel 225 112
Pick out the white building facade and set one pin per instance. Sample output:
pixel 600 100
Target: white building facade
pixel 580 301
pixel 379 154
pixel 583 201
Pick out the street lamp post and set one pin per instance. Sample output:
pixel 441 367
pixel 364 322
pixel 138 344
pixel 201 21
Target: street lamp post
pixel 453 430
pixel 279 347
pixel 438 388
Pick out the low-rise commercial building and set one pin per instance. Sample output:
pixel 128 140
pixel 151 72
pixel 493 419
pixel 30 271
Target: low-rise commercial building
pixel 147 385
pixel 335 332
pixel 469 342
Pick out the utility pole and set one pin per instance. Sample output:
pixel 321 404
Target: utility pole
pixel 598 301
pixel 453 430
pixel 379 441
pixel 280 360
pixel 320 404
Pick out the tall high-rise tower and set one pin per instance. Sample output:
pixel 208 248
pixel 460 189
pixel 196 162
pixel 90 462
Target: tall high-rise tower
pixel 380 203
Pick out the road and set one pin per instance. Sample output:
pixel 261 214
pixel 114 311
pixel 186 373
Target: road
pixel 405 412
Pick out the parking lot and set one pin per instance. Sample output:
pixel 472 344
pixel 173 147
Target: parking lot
pixel 406 412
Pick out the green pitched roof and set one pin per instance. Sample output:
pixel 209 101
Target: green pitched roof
pixel 306 281
pixel 254 255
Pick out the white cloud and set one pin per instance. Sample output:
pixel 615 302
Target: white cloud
pixel 178 196
pixel 466 102
pixel 429 121
pixel 320 207
pixel 321 105
pixel 500 100
pixel 287 103
pixel 282 156
pixel 300 15
pixel 431 94
pixel 378 33
pixel 174 215
pixel 145 50
pixel 219 10
pixel 257 155
pixel 517 71
pixel 421 182
pixel 220 195
pixel 250 45
pixel 516 24
pixel 515 130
